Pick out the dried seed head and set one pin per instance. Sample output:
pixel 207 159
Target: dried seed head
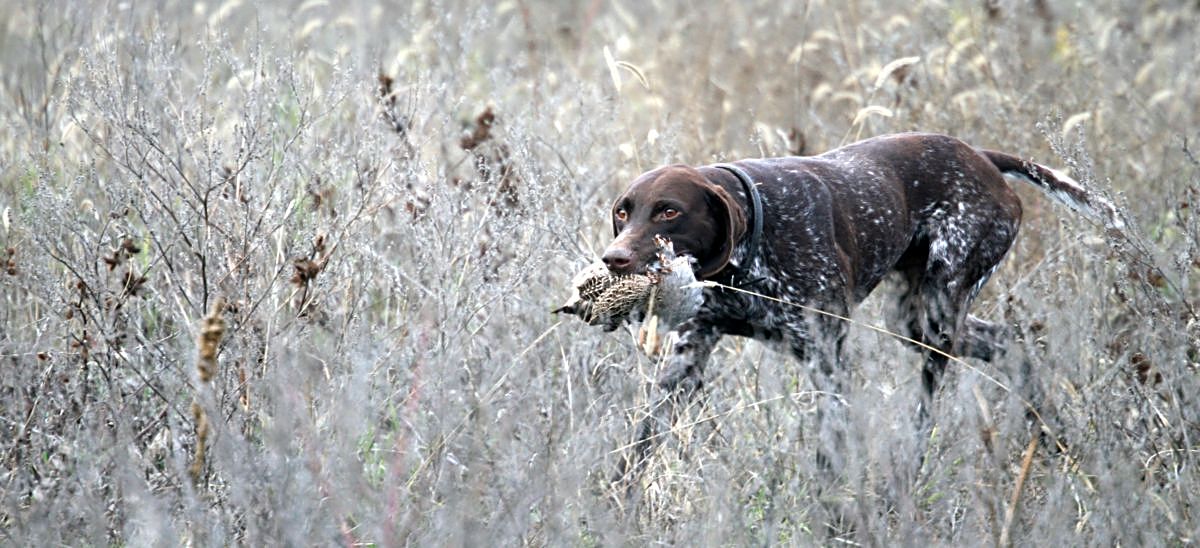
pixel 201 421
pixel 1144 369
pixel 385 87
pixel 132 284
pixel 482 131
pixel 211 331
pixel 130 246
pixel 306 270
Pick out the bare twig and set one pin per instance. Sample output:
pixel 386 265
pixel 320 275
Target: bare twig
pixel 1010 514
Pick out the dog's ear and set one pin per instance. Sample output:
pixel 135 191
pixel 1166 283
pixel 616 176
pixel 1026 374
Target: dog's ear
pixel 730 223
pixel 612 217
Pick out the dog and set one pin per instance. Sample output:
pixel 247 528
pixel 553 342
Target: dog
pixel 783 237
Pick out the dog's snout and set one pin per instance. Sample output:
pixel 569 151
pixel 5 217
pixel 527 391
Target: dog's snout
pixel 618 259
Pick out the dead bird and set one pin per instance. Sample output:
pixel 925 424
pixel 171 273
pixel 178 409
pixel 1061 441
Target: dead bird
pixel 667 292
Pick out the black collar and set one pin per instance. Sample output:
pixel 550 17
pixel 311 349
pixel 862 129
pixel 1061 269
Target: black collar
pixel 756 219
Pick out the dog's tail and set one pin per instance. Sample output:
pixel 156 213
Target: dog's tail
pixel 1059 186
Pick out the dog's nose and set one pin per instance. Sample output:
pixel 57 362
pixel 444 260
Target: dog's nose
pixel 618 259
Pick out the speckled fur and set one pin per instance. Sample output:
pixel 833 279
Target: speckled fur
pixel 928 209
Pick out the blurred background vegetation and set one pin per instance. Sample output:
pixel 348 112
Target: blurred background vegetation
pixel 280 273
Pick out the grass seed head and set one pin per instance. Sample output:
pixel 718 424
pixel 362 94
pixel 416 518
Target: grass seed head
pixel 211 330
pixel 201 420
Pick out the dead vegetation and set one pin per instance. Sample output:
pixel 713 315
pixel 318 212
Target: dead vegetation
pixel 283 274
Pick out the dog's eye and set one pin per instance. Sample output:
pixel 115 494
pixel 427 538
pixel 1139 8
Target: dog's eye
pixel 621 215
pixel 669 213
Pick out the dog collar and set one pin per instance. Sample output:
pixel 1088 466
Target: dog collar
pixel 756 220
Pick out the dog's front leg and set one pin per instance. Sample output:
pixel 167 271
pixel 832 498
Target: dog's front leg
pixel 681 378
pixel 683 367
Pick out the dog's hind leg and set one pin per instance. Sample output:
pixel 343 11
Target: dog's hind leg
pixel 963 252
pixel 983 339
pixel 978 338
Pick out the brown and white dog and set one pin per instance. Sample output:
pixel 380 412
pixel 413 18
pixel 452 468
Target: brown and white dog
pixel 823 232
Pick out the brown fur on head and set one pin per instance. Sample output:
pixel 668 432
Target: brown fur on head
pixel 699 217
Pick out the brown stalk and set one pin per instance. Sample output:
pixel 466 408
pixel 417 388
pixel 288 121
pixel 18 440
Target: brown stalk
pixel 212 328
pixel 1010 514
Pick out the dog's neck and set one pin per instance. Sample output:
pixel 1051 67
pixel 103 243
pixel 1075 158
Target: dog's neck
pixel 740 270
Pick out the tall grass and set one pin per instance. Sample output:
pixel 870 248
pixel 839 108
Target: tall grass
pixel 386 201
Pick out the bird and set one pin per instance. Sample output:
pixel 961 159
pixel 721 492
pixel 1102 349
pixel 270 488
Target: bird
pixel 667 294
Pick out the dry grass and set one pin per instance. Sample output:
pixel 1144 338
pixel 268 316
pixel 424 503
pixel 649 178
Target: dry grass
pixel 389 200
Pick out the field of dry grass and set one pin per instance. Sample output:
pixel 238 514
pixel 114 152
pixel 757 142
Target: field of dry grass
pixel 280 274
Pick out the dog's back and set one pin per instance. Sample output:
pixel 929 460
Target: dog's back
pixel 875 204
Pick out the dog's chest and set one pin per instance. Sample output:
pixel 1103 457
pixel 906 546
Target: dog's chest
pixel 764 304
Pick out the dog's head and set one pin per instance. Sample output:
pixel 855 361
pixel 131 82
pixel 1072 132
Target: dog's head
pixel 700 218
